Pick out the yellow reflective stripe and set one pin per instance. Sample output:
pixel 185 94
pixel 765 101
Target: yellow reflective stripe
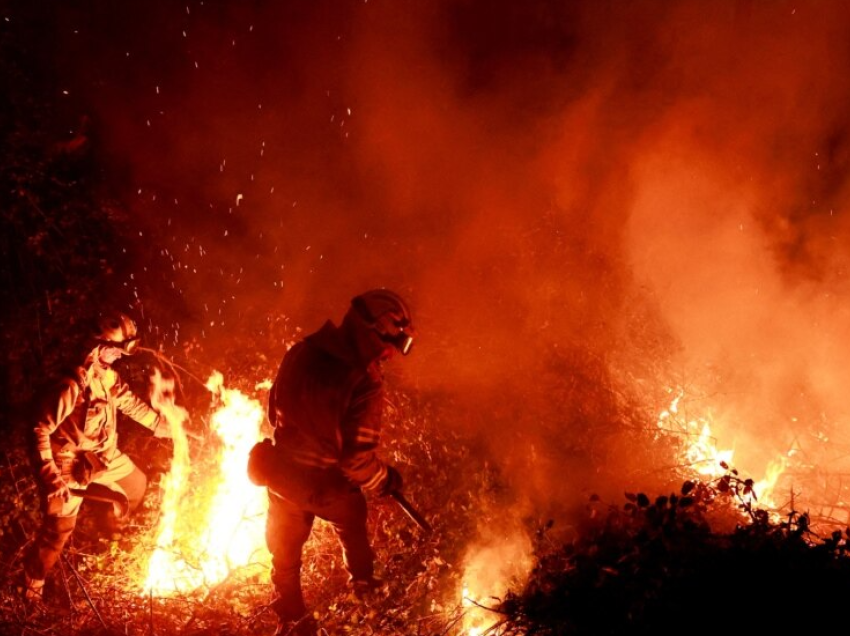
pixel 367 438
pixel 376 479
pixel 149 419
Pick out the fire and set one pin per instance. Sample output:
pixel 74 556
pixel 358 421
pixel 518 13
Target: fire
pixel 701 455
pixel 491 568
pixel 471 618
pixel 494 566
pixel 700 452
pixel 174 484
pixel 764 487
pixel 210 529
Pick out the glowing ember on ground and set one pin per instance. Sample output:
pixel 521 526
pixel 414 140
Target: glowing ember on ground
pixel 209 529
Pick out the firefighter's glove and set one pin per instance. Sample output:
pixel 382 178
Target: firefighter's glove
pixel 393 482
pixel 54 486
pixel 161 427
pixel 87 467
pixel 261 462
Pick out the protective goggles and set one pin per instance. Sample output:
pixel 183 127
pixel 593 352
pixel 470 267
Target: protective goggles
pixel 127 346
pixel 402 340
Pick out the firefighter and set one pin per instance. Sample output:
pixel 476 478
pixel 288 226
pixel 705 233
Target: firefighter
pixel 326 408
pixel 75 444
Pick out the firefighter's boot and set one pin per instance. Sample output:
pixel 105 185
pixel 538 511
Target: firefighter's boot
pixel 44 553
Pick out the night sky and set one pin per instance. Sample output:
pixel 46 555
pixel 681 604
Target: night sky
pixel 661 184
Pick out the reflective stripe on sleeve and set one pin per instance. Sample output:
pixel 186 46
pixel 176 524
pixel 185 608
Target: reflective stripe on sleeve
pixel 377 479
pixel 368 436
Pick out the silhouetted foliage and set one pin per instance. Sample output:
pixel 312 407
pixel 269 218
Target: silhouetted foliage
pixel 666 565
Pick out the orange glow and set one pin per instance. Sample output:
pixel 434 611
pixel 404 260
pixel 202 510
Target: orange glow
pixel 210 529
pixel 764 487
pixel 700 454
pixel 490 569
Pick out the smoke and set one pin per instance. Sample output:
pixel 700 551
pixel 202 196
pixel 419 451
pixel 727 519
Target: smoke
pixel 572 195
pixel 737 225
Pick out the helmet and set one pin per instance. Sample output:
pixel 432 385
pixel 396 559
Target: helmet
pixel 388 315
pixel 117 330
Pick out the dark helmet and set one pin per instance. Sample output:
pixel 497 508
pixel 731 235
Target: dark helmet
pixel 388 315
pixel 117 330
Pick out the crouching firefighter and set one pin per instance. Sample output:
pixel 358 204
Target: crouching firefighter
pixel 75 446
pixel 326 408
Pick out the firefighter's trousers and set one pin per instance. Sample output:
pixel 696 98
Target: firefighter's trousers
pixel 288 528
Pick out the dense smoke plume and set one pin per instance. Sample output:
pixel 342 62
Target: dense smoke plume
pixel 656 189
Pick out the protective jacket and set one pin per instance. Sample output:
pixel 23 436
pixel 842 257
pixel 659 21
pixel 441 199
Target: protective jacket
pixel 82 415
pixel 326 408
pixel 76 444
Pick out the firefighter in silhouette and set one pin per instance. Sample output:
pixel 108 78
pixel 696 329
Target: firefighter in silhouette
pixel 75 445
pixel 326 407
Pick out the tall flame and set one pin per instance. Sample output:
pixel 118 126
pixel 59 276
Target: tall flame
pixel 199 543
pixel 174 484
pixel 235 528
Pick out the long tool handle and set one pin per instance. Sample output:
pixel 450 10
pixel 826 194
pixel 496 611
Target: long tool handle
pixel 411 512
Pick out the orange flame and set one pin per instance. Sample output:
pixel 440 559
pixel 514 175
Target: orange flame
pixel 490 569
pixel 701 455
pixel 700 452
pixel 200 543
pixel 764 487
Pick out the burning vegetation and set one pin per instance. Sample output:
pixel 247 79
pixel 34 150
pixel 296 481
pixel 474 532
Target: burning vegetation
pixel 194 560
pixel 627 413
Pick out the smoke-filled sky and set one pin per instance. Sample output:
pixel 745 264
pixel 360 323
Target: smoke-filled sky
pixel 535 176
